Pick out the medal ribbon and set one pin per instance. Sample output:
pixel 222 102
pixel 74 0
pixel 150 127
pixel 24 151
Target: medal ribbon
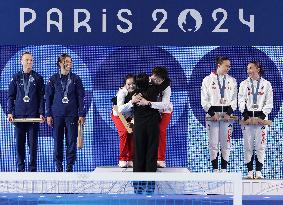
pixel 253 91
pixel 65 87
pixel 27 84
pixel 221 88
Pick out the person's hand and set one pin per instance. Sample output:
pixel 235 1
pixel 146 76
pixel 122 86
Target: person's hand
pixel 143 102
pixel 215 117
pixel 81 121
pixel 42 119
pixel 226 117
pixel 248 121
pixel 130 125
pixel 260 121
pixel 150 79
pixel 50 121
pixel 10 118
pixel 255 120
pixel 136 98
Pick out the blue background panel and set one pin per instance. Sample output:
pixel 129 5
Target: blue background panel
pixel 102 69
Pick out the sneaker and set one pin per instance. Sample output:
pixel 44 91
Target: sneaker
pixel 250 175
pixel 69 168
pixel 32 168
pixel 161 164
pixel 130 164
pixel 122 164
pixel 223 170
pixel 258 175
pixel 59 168
pixel 215 170
pixel 21 168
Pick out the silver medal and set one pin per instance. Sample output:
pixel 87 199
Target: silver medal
pixel 65 100
pixel 26 99
pixel 222 101
pixel 255 106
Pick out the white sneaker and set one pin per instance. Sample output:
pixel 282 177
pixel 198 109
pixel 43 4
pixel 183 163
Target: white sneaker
pixel 258 175
pixel 161 164
pixel 130 164
pixel 223 170
pixel 122 164
pixel 215 171
pixel 250 175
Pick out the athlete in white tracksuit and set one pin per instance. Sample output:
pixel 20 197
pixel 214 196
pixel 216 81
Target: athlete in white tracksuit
pixel 255 99
pixel 219 100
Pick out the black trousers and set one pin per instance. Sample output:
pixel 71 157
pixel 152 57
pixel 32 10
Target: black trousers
pixel 146 138
pixel 69 127
pixel 27 131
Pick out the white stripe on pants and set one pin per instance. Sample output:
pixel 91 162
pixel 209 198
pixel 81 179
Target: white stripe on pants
pixel 254 136
pixel 219 132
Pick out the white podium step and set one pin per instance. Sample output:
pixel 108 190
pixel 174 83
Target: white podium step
pixel 118 169
pixel 107 180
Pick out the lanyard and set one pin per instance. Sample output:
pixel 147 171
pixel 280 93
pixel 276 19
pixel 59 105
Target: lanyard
pixel 253 91
pixel 65 87
pixel 27 84
pixel 221 88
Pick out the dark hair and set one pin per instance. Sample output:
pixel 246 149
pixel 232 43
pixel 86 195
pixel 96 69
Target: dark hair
pixel 220 59
pixel 62 57
pixel 160 72
pixel 129 76
pixel 259 66
pixel 24 53
pixel 142 82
